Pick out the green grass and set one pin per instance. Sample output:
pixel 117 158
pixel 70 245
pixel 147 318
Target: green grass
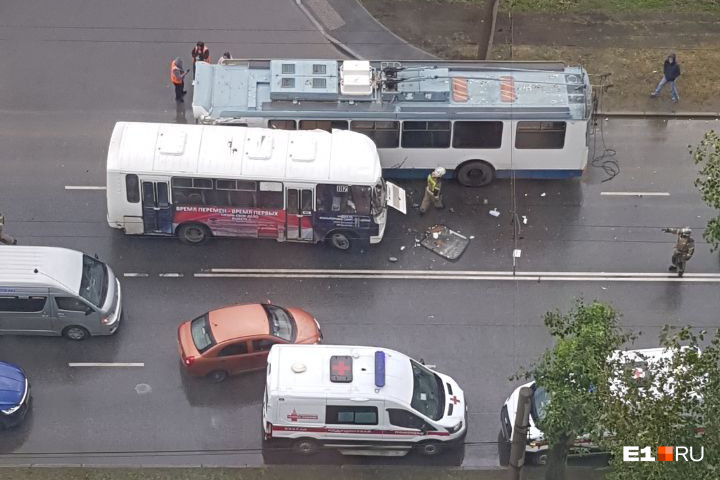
pixel 674 6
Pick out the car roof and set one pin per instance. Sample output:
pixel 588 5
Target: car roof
pixel 237 321
pixel 56 267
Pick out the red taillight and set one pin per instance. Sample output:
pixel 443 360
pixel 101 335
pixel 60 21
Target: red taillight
pixel 188 361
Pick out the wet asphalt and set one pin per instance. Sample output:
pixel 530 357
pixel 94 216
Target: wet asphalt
pixel 71 71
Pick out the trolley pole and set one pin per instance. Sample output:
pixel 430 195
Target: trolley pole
pixel 519 436
pixel 6 239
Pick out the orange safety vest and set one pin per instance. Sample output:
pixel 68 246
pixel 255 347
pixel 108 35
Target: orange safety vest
pixel 174 78
pixel 205 49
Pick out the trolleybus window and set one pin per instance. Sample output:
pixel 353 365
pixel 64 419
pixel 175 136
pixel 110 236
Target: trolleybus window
pixel 477 134
pixel 326 125
pixel 384 134
pixel 282 124
pixel 426 134
pixel 540 135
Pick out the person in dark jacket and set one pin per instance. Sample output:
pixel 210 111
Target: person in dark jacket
pixel 671 71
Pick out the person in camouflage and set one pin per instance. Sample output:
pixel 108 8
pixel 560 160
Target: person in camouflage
pixel 684 249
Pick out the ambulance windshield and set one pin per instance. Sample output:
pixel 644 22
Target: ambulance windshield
pixel 428 395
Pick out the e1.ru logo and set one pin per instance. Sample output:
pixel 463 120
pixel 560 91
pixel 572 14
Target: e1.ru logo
pixel 665 454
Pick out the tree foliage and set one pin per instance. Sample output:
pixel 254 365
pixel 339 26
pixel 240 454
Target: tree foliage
pixel 675 397
pixel 571 371
pixel 707 156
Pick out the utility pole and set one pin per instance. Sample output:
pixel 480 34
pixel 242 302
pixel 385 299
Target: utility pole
pixel 519 436
pixel 6 239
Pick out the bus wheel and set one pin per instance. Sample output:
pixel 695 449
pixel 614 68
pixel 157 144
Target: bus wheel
pixel 193 233
pixel 340 240
pixel 305 446
pixel 429 449
pixel 475 174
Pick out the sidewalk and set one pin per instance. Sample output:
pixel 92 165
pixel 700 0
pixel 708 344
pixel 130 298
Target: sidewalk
pixel 279 473
pixel 348 25
pixel 630 46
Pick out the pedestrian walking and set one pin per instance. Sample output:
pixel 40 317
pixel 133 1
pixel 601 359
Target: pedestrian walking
pixel 684 249
pixel 200 53
pixel 433 189
pixel 5 239
pixel 177 78
pixel 671 71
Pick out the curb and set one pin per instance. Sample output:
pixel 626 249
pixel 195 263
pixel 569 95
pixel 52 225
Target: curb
pixel 336 43
pixel 359 3
pixel 674 115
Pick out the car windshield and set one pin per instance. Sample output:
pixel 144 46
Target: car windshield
pixel 201 334
pixel 94 282
pixel 540 401
pixel 282 324
pixel 428 395
pixel 378 198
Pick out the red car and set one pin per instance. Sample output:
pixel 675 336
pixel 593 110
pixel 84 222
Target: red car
pixel 238 338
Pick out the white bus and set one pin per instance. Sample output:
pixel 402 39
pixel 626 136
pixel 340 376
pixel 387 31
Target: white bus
pixel 197 181
pixel 479 120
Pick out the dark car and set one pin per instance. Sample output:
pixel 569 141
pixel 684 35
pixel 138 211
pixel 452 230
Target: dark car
pixel 14 395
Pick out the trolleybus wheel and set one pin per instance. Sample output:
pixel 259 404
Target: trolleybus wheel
pixel 76 333
pixel 193 233
pixel 340 240
pixel 475 174
pixel 429 449
pixel 305 446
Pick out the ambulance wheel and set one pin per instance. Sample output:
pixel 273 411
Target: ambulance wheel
pixel 429 449
pixel 475 173
pixel 305 446
pixel 340 240
pixel 193 233
pixel 217 376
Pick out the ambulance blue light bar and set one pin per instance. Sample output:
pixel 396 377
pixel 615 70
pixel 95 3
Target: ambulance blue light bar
pixel 379 368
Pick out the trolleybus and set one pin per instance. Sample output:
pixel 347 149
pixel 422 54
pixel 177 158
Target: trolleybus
pixel 479 120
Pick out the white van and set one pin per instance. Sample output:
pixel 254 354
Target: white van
pixel 57 291
pixel 360 401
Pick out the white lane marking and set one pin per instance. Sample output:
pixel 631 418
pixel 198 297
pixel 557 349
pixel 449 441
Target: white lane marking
pixel 467 275
pixel 439 272
pixel 170 275
pixel 84 187
pixel 136 274
pixel 106 364
pixel 635 194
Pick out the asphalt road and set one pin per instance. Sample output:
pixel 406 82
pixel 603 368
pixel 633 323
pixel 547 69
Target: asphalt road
pixel 72 69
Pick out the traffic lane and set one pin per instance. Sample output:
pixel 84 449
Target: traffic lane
pixel 651 155
pixel 109 55
pixel 481 333
pixel 558 236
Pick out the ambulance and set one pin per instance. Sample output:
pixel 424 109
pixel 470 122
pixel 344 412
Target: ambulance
pixel 359 401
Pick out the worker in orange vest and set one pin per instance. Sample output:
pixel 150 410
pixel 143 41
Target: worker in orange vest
pixel 177 77
pixel 200 53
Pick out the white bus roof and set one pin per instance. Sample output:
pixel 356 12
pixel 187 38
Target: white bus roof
pixel 57 267
pixel 314 380
pixel 241 152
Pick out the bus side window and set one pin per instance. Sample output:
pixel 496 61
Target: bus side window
pixel 477 134
pixel 270 196
pixel 425 134
pixel 132 188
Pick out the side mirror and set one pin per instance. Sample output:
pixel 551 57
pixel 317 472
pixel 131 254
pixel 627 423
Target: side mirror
pixel 96 257
pixel 422 361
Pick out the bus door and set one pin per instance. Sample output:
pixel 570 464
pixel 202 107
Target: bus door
pixel 299 213
pixel 157 211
